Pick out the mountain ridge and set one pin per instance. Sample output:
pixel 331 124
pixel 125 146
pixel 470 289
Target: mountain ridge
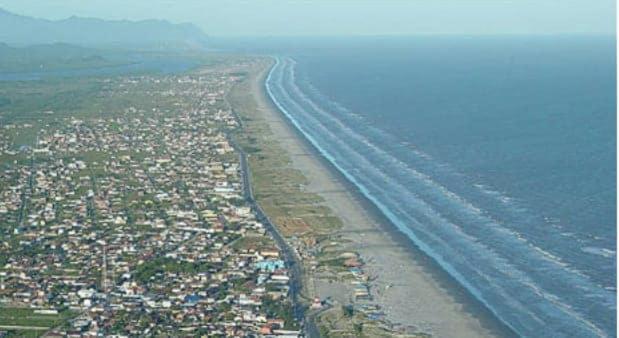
pixel 20 30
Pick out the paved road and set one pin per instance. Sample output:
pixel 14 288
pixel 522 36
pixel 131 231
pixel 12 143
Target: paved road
pixel 21 327
pixel 290 257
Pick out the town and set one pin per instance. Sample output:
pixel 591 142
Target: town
pixel 133 221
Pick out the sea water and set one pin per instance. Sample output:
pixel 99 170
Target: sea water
pixel 493 155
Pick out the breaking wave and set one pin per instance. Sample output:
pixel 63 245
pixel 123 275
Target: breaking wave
pixel 475 233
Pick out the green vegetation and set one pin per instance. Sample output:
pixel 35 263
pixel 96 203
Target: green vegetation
pixel 34 324
pixel 23 333
pixel 278 186
pixel 255 243
pixel 344 321
pixel 334 262
pixel 51 57
pixel 278 309
pixel 348 310
pixel 151 268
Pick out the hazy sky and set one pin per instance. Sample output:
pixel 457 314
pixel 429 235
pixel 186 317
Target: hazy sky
pixel 346 17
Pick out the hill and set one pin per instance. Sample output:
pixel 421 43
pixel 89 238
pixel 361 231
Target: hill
pixel 146 34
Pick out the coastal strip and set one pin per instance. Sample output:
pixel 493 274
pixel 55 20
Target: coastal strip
pixel 411 298
pixel 290 258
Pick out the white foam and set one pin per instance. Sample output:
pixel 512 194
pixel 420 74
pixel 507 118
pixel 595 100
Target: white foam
pixel 458 237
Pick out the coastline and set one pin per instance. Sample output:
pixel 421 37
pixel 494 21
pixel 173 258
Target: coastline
pixel 412 291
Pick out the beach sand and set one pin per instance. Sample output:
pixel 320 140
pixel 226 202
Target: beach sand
pixel 410 293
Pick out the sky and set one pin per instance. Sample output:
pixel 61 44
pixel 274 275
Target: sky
pixel 346 17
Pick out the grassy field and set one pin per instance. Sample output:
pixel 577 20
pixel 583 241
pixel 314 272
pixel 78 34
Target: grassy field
pixel 278 186
pixel 89 96
pixel 48 101
pixel 27 317
pixel 23 322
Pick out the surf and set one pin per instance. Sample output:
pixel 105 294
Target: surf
pixel 317 126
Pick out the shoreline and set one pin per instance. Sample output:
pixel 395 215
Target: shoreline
pixel 447 283
pixel 407 280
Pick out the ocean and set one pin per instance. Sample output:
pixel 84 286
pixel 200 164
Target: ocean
pixel 495 156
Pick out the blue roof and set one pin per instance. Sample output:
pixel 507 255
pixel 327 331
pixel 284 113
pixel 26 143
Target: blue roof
pixel 192 298
pixel 270 265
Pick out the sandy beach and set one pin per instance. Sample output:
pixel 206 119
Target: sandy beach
pixel 410 293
